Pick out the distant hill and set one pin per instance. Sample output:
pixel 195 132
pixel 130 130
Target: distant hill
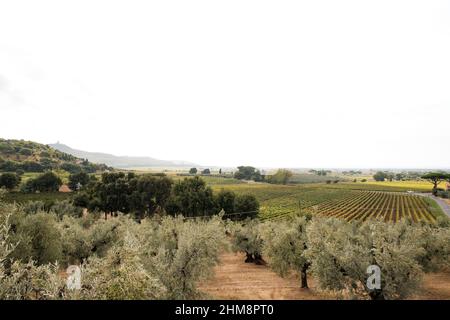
pixel 120 161
pixel 28 156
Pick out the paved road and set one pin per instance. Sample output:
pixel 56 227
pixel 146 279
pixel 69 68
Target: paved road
pixel 444 205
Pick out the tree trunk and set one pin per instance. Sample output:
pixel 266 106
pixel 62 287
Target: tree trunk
pixel 303 278
pixel 259 260
pixel 106 216
pixel 435 191
pixel 249 258
pixel 376 295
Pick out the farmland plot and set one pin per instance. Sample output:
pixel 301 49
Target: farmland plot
pixel 388 206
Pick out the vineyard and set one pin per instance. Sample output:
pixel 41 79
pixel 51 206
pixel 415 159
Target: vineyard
pixel 345 200
pixel 388 206
pixel 278 201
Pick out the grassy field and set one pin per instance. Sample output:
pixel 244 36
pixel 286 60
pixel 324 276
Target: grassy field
pixel 313 178
pixel 64 175
pixel 421 186
pixel 211 180
pixel 46 197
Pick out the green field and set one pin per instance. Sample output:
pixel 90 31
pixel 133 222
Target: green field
pixel 387 206
pixel 46 197
pixel 421 186
pixel 277 201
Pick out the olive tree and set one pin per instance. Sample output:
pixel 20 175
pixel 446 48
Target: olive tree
pixel 24 281
pixel 435 241
pixel 181 253
pixel 120 275
pixel 246 237
pixel 341 253
pixel 36 237
pixel 77 243
pixel 285 245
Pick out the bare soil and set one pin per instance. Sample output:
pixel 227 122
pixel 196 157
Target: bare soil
pixel 235 279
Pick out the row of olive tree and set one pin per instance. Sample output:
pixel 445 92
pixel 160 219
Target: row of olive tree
pixel 145 195
pixel 338 253
pixel 119 258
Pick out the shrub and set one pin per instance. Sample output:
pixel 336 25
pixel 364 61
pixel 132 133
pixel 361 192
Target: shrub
pixel 443 194
pixel 26 152
pixel 66 208
pixel 9 180
pixel 246 205
pixel 46 182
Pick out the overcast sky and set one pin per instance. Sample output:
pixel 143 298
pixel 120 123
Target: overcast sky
pixel 265 83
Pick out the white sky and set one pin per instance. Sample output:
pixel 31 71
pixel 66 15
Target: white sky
pixel 265 83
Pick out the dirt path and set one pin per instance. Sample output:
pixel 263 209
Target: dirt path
pixel 235 279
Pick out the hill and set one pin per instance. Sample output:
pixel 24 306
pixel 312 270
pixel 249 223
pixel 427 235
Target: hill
pixel 120 161
pixel 28 156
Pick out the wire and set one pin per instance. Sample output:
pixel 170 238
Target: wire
pixel 225 215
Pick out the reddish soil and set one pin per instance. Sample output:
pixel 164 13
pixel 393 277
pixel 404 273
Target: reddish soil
pixel 235 279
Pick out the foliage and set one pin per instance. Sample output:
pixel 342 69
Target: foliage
pixel 117 192
pixel 340 254
pixel 226 200
pixel 24 281
pixel 435 178
pixel 282 176
pixel 120 275
pixel 380 176
pixel 435 241
pixel 246 206
pixel 182 253
pixel 320 172
pixel 44 238
pixel 285 245
pixel 191 197
pixel 34 157
pixel 31 282
pixel 66 208
pixel 47 182
pixel 246 238
pixel 248 173
pixel 9 180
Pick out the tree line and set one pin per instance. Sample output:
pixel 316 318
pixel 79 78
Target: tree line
pixel 145 195
pixel 119 258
